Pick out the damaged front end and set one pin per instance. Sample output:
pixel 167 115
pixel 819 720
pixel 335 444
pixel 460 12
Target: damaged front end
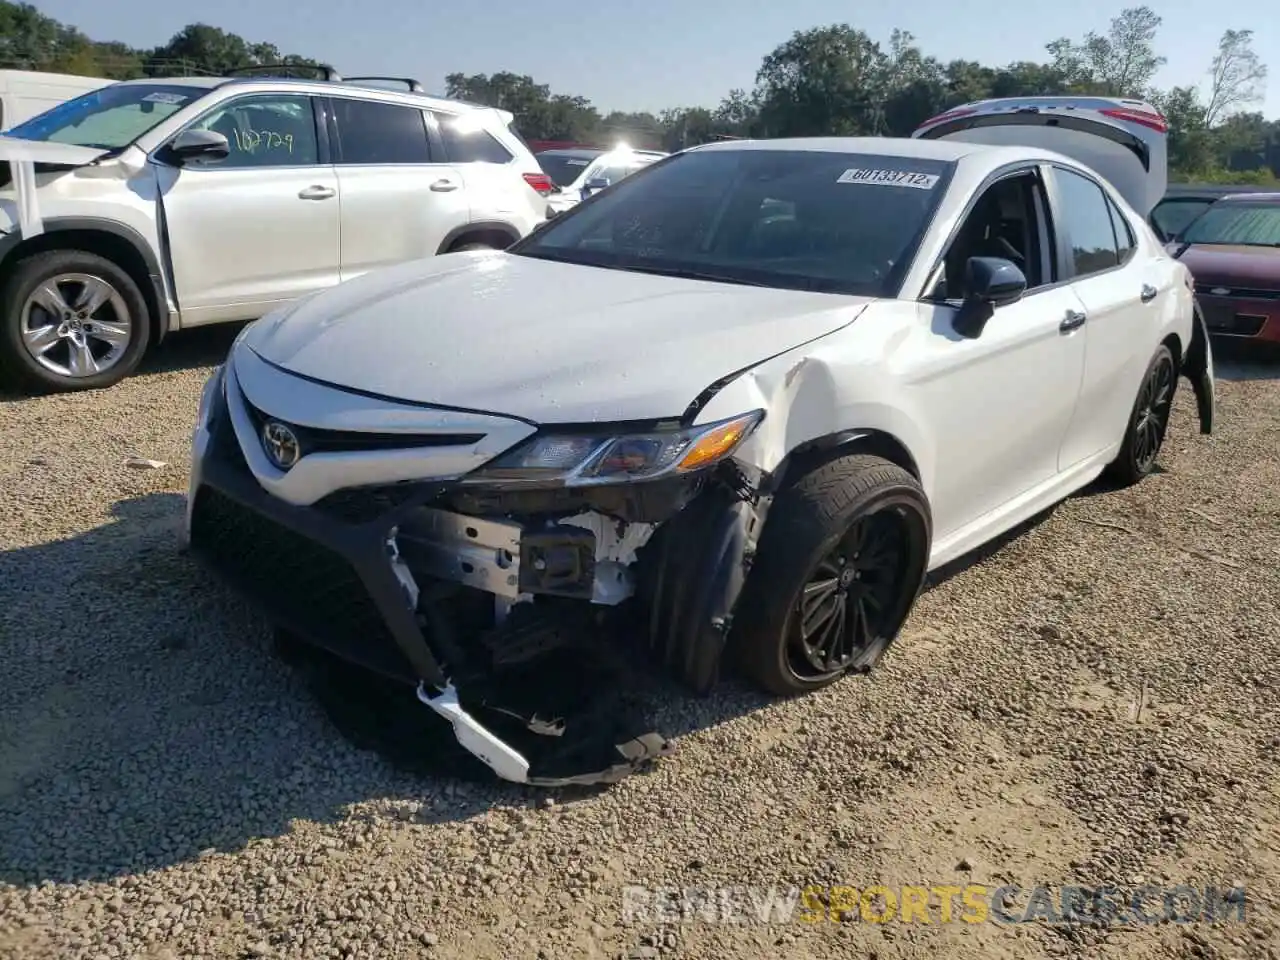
pixel 510 598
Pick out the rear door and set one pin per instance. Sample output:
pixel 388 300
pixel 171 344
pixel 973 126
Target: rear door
pixel 1121 320
pixel 399 199
pixel 1124 141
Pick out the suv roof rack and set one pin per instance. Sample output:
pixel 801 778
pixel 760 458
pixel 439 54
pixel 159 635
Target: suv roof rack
pixel 413 85
pixel 326 72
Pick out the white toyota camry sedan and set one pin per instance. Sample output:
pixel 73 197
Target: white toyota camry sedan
pixel 733 409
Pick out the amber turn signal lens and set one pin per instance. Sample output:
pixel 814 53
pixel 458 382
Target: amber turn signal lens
pixel 717 443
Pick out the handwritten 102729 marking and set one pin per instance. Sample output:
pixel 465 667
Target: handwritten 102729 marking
pixel 249 141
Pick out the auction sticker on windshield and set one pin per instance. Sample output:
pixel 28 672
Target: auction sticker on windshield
pixel 890 178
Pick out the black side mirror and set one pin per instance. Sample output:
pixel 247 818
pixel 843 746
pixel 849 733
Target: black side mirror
pixel 989 282
pixel 597 183
pixel 198 145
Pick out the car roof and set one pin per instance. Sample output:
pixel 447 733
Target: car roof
pixel 304 83
pixel 905 147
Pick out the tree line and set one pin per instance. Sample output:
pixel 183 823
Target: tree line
pixel 827 80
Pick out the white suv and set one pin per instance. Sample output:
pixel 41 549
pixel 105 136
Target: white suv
pixel 156 205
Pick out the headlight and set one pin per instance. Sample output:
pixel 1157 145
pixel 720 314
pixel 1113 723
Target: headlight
pixel 211 388
pixel 577 460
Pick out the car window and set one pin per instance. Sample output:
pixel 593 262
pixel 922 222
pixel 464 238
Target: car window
pixel 265 131
pixel 804 220
pixel 466 141
pixel 372 132
pixel 1004 221
pixel 110 118
pixel 1085 214
pixel 562 170
pixel 615 172
pixel 1170 217
pixel 1125 240
pixel 1237 224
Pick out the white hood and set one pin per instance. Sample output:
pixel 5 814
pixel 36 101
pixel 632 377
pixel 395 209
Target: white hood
pixel 548 342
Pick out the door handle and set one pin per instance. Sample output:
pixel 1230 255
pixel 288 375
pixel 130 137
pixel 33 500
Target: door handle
pixel 1148 293
pixel 1074 320
pixel 316 192
pixel 444 186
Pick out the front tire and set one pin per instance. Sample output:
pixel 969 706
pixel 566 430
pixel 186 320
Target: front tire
pixel 840 563
pixel 71 320
pixel 1148 421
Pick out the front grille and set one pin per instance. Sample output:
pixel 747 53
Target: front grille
pixel 1224 319
pixel 366 504
pixel 314 440
pixel 301 583
pixel 1238 293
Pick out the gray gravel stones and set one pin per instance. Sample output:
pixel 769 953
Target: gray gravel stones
pixel 1096 702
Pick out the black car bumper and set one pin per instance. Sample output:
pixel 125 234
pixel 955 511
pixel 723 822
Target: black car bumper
pixel 317 573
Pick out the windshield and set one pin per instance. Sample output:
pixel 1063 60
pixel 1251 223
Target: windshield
pixel 1237 224
pixel 563 169
pixel 1170 217
pixel 109 118
pixel 801 220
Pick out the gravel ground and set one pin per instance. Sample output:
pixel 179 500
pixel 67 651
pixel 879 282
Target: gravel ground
pixel 1097 701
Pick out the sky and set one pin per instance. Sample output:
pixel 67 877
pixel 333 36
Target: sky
pixel 655 54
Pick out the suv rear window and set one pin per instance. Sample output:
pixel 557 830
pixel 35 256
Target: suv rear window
pixel 372 132
pixel 467 142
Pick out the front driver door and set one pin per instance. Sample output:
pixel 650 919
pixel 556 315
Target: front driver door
pixel 1000 403
pixel 261 227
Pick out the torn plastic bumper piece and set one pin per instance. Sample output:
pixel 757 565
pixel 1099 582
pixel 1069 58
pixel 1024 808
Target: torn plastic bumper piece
pixel 509 764
pixel 704 554
pixel 1198 368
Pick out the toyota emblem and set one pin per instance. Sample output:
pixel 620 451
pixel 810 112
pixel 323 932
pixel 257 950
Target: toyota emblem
pixel 281 444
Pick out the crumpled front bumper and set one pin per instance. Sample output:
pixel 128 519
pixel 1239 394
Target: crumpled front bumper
pixel 336 581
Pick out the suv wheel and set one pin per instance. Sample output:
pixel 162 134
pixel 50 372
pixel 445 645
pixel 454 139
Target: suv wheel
pixel 71 320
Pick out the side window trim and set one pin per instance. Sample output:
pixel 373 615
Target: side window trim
pixel 1119 224
pixel 335 131
pixel 435 141
pixel 1067 248
pixel 317 120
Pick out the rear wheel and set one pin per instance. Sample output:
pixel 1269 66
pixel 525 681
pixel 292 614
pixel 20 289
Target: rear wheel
pixel 1148 422
pixel 840 563
pixel 71 320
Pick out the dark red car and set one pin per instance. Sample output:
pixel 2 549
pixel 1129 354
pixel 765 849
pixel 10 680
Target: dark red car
pixel 1233 251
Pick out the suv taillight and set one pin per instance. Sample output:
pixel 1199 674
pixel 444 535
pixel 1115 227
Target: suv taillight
pixel 540 182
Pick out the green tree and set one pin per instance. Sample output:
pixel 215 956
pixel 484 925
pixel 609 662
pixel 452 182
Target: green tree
pixel 1237 77
pixel 1120 63
pixel 828 80
pixel 539 115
